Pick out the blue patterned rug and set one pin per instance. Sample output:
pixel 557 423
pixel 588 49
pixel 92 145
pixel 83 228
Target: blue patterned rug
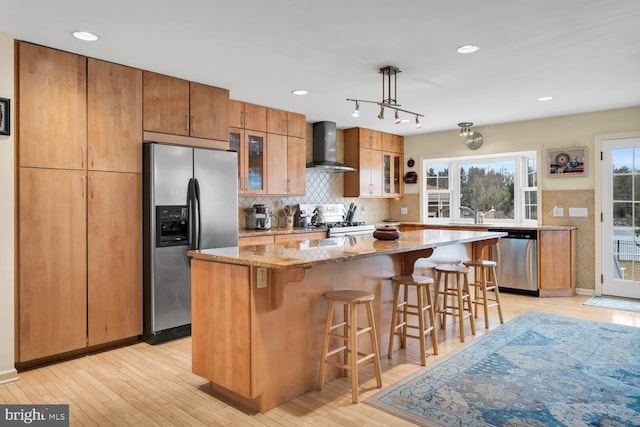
pixel 626 304
pixel 536 370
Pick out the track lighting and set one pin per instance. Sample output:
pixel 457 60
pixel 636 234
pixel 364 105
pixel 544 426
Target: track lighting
pixel 356 111
pixel 389 99
pixel 465 129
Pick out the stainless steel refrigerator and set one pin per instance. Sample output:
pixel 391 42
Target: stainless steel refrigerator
pixel 190 202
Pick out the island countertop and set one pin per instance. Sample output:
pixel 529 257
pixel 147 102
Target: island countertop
pixel 307 253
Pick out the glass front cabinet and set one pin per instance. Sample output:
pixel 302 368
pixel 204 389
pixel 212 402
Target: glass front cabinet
pixel 252 160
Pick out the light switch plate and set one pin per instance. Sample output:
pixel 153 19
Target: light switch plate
pixel 582 212
pixel 403 211
pixel 558 211
pixel 262 278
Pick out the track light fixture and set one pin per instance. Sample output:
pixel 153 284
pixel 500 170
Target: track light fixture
pixel 465 129
pixel 356 111
pixel 389 96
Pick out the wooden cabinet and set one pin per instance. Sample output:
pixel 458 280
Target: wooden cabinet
pixel 286 123
pixel 114 117
pixel 296 237
pixel 252 160
pixel 380 168
pixel 272 149
pixel 52 269
pixel 114 256
pixel 80 225
pixel 392 183
pixel 255 240
pixel 557 262
pixel 285 165
pixel 179 107
pixel 247 116
pixel 52 108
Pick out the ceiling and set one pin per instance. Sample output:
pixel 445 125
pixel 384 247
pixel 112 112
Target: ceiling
pixel 584 53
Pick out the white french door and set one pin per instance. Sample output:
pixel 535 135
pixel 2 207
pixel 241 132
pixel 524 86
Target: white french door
pixel 621 217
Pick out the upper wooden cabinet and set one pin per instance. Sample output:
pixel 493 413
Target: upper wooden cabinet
pixel 285 165
pixel 368 138
pixel 379 164
pixel 247 116
pixel 115 117
pixel 179 107
pixel 286 123
pixel 52 108
pixel 392 143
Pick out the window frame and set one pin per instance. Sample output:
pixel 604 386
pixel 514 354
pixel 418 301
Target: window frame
pixel 521 172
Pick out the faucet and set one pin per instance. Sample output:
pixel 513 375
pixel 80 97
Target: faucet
pixel 473 212
pixel 478 216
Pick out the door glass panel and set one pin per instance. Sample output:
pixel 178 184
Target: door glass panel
pixel 234 144
pixel 621 212
pixel 387 173
pixel 396 174
pixel 255 151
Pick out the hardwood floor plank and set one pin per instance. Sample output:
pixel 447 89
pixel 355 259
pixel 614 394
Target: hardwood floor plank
pixel 145 385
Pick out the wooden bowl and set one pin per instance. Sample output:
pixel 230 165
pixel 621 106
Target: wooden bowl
pixel 387 233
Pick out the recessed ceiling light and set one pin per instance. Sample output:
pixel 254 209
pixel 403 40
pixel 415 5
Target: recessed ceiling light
pixel 85 35
pixel 468 48
pixel 299 92
pixel 545 98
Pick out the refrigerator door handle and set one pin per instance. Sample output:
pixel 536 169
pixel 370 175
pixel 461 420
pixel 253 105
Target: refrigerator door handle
pixel 197 198
pixel 191 206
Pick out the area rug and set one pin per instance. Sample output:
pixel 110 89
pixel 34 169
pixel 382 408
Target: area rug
pixel 536 370
pixel 625 304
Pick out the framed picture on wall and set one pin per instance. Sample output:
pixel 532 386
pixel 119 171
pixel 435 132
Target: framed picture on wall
pixel 5 116
pixel 567 162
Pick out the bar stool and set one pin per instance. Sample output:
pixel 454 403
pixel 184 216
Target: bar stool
pixel 422 308
pixel 456 299
pixel 485 280
pixel 350 299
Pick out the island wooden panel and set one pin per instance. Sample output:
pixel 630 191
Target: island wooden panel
pixel 269 356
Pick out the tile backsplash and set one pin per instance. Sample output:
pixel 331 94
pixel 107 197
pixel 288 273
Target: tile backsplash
pixel 321 187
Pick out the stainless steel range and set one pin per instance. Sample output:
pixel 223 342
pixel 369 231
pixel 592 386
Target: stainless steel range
pixel 334 217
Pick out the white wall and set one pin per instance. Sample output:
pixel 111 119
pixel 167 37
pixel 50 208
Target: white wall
pixel 556 132
pixel 7 250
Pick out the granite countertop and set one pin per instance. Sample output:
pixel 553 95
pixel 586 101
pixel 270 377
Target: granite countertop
pixel 307 253
pixel 491 226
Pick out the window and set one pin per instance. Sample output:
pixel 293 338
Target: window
pixel 502 187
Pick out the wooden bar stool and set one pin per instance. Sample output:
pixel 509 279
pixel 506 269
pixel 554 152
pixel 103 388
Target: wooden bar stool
pixel 456 300
pixel 485 280
pixel 350 299
pixel 403 309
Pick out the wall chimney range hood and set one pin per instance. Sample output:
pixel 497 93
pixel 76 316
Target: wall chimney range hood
pixel 324 149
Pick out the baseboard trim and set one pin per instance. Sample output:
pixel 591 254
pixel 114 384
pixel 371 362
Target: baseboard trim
pixel 584 291
pixel 8 376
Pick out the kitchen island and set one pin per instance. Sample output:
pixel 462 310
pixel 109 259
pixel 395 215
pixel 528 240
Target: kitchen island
pixel 258 311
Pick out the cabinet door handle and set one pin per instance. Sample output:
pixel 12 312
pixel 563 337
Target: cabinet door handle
pixel 82 185
pixel 288 186
pixel 81 157
pixel 193 124
pixel 186 122
pixel 92 157
pixel 246 119
pixel 91 188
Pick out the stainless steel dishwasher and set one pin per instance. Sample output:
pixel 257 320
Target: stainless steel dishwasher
pixel 517 258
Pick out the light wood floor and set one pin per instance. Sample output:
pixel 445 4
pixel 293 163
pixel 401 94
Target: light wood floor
pixel 142 385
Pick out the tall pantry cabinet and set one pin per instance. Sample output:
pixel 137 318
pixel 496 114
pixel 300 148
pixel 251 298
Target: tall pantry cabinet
pixel 79 142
